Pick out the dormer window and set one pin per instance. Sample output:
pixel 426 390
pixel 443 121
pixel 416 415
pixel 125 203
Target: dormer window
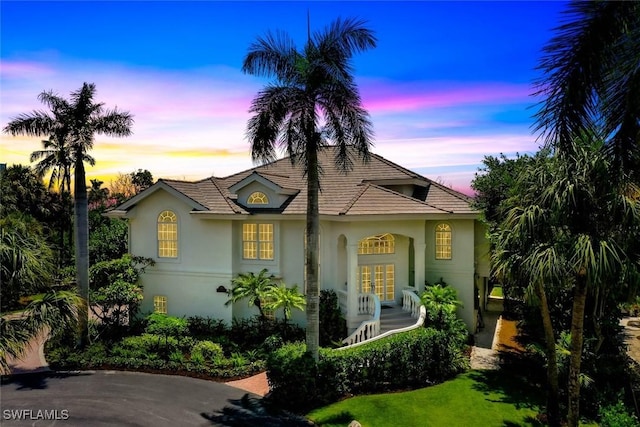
pixel 258 198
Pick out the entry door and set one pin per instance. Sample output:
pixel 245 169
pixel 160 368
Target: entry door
pixel 379 278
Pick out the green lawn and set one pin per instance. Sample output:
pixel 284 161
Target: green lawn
pixel 477 398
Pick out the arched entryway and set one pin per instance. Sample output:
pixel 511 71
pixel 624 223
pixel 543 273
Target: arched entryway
pixel 377 266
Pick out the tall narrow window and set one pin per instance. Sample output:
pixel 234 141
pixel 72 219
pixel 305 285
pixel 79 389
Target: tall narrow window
pixel 167 235
pixel 257 241
pixel 258 198
pixel 443 241
pixel 160 304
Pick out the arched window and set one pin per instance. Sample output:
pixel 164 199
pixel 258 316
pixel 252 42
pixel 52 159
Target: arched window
pixel 443 241
pixel 167 235
pixel 375 245
pixel 258 198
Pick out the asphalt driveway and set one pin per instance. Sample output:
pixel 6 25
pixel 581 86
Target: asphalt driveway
pixel 110 398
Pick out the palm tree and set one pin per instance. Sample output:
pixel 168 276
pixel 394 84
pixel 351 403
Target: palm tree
pixel 57 157
pixel 591 82
pixel 77 121
pixel 313 100
pixel 441 303
pixel 286 299
pixel 255 289
pixel 567 227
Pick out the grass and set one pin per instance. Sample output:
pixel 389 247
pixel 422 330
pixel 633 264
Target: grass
pixel 480 398
pixel 496 292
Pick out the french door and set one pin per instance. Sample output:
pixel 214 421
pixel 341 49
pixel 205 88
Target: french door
pixel 378 279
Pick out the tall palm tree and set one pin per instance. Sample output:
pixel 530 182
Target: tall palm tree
pixel 57 157
pixel 77 121
pixel 591 81
pixel 312 102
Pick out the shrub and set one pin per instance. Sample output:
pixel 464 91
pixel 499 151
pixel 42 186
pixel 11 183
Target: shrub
pixel 146 346
pixel 206 327
pixel 333 326
pixel 414 359
pixel 207 351
pixel 292 377
pixel 617 416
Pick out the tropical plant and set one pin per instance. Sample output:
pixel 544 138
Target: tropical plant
pixel 313 100
pixel 281 297
pixel 566 228
pixel 255 289
pixel 441 303
pixel 115 290
pixel 26 259
pixel 591 82
pixel 55 311
pixel 76 121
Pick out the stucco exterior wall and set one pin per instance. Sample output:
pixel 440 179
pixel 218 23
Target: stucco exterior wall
pixel 457 272
pixel 203 264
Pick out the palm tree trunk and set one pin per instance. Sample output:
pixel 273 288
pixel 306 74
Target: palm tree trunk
pixel 553 395
pixel 577 337
pixel 313 247
pixel 82 246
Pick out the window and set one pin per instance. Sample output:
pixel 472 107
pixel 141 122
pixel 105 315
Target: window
pixel 257 241
pixel 443 241
pixel 167 235
pixel 160 304
pixel 258 198
pixel 380 244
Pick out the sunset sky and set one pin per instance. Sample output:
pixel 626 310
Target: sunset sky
pixel 449 82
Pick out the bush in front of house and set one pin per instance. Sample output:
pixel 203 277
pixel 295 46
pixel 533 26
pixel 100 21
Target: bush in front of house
pixel 333 326
pixel 417 358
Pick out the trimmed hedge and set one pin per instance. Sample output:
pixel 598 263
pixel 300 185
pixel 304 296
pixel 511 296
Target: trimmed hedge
pixel 417 358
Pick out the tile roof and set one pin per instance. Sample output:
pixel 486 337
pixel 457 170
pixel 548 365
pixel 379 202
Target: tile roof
pixel 358 192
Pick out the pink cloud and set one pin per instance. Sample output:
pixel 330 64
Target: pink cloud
pixel 384 97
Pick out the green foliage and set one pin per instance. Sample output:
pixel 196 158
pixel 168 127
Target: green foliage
pixel 206 327
pixel 255 289
pixel 167 326
pixel 26 259
pixel 441 303
pixel 115 292
pixel 333 326
pixel 208 352
pixel 252 333
pixel 281 297
pixel 292 376
pixel 617 416
pixel 411 359
pixel 141 179
pixel 107 240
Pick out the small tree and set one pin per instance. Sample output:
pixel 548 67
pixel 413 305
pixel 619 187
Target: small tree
pixel 255 289
pixel 116 293
pixel 441 303
pixel 286 299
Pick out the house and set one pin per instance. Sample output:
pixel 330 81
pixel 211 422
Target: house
pixel 383 229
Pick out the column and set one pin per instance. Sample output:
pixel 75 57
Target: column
pixel 419 249
pixel 352 285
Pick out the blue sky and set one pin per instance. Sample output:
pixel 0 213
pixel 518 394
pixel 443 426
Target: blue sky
pixel 448 83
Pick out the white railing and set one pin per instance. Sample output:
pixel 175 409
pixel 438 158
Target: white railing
pixel 367 304
pixel 410 301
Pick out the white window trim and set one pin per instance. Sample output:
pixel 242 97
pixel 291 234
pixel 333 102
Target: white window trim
pixel 178 250
pixel 435 241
